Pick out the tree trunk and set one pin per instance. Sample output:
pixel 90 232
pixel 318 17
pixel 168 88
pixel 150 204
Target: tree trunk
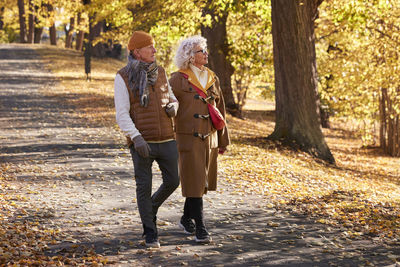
pixel 88 44
pixel 218 53
pixel 38 35
pixel 53 35
pixel 22 23
pixel 88 48
pixel 31 19
pixel 80 35
pixel 1 18
pixel 390 130
pixel 396 145
pixel 52 28
pixel 324 116
pixel 297 115
pixel 79 40
pixel 383 120
pixel 69 33
pixel 99 49
pixel 37 30
pixel 88 53
pixel 389 134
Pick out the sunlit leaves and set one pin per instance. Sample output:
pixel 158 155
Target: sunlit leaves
pixel 8 14
pixel 357 54
pixel 251 45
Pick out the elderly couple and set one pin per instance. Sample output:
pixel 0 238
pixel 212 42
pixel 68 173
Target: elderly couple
pixel 161 117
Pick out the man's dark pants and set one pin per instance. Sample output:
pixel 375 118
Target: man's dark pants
pixel 166 155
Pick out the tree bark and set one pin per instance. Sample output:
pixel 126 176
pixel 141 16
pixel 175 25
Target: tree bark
pixel 80 35
pixel 383 120
pixel 297 114
pixel 394 137
pixel 31 19
pixel 22 23
pixel 69 33
pixel 324 117
pixel 87 55
pixel 38 35
pixel 52 28
pixel 389 134
pixel 98 50
pixel 37 30
pixel 53 35
pixel 1 18
pixel 88 44
pixel 218 53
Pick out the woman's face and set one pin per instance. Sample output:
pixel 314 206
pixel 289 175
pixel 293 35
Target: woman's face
pixel 200 56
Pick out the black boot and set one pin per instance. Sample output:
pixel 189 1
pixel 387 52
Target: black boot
pixel 186 222
pixel 202 235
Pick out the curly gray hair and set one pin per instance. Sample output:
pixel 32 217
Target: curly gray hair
pixel 186 51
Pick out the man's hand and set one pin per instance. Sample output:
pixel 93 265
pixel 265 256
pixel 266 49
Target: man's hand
pixel 141 146
pixel 171 109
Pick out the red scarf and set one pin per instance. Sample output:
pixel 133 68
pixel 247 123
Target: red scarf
pixel 217 119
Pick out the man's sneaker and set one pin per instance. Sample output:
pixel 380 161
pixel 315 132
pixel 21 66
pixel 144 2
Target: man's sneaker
pixel 202 236
pixel 187 225
pixel 151 238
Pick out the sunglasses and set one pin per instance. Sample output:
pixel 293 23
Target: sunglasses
pixel 204 51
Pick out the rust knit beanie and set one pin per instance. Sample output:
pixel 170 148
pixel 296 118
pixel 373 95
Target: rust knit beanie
pixel 140 39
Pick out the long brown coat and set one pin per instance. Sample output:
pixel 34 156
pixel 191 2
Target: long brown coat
pixel 197 156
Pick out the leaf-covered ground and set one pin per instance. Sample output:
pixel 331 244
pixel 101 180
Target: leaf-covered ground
pixel 361 193
pixel 302 204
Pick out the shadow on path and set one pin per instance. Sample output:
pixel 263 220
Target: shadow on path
pixel 79 177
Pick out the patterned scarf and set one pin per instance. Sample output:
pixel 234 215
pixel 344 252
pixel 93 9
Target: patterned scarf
pixel 141 74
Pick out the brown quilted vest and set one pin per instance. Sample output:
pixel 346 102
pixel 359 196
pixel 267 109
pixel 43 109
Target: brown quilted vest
pixel 151 121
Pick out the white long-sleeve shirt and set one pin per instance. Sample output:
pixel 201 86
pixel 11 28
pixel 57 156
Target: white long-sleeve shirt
pixel 122 107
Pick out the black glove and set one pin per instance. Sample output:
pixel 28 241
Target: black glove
pixel 141 146
pixel 171 109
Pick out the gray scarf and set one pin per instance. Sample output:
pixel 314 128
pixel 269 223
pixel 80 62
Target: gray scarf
pixel 141 74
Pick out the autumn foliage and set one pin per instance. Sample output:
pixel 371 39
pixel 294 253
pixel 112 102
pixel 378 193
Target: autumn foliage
pixel 360 196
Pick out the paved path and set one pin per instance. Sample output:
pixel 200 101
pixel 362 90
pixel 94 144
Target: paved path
pixel 78 179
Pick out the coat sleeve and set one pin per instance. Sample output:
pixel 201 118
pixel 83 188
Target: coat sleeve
pixel 223 135
pixel 174 82
pixel 172 97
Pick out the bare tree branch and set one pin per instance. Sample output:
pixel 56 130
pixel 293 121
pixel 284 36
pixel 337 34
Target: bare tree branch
pixel 384 34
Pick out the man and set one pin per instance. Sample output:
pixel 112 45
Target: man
pixel 145 105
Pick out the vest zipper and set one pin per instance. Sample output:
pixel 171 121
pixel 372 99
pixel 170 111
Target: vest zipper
pixel 158 110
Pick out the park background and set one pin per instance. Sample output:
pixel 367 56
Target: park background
pixel 354 188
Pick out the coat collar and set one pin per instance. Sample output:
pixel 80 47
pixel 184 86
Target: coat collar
pixel 193 79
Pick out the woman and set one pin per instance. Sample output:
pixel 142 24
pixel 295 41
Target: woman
pixel 196 87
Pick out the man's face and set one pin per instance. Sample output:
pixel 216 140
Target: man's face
pixel 146 54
